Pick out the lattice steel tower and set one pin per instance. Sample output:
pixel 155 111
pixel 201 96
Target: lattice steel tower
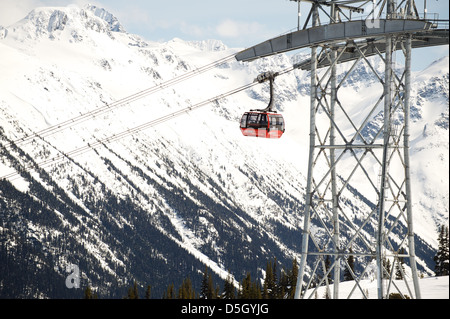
pixel 382 238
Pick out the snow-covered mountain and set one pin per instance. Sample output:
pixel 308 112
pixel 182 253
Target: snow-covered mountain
pixel 159 204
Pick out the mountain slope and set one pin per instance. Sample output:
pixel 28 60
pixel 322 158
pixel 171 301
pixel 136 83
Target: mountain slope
pixel 159 204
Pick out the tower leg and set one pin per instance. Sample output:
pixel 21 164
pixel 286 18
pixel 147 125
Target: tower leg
pixel 312 138
pixel 412 251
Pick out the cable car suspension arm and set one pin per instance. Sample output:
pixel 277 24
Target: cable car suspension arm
pixel 263 77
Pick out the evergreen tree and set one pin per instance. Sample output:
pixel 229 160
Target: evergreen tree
pixel 268 281
pixel 400 269
pixel 327 294
pixel 133 292
pixel 204 287
pixel 88 294
pixel 442 256
pixel 327 267
pixel 387 265
pixel 293 279
pixel 270 286
pixel 288 282
pixel 148 292
pixel 207 289
pixel 217 292
pixel 186 291
pixel 211 292
pixel 249 289
pixel 283 285
pixel 256 290
pixel 351 263
pixel 169 293
pixel 229 292
pixel 245 287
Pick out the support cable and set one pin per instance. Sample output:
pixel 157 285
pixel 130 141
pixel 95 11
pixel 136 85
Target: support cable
pixel 115 137
pixel 128 132
pixel 108 107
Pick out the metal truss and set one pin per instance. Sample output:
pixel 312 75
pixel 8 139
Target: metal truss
pixel 346 150
pixel 349 152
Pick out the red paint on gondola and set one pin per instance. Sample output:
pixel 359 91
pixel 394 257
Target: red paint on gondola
pixel 262 124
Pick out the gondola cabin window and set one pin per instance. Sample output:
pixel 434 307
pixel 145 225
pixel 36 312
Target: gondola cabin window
pixel 262 124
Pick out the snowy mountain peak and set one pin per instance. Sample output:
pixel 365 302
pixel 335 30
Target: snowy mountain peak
pixel 208 45
pixel 437 68
pixel 105 15
pixel 57 21
pixel 51 22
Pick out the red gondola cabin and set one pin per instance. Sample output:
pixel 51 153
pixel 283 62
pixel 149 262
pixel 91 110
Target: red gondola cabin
pixel 262 124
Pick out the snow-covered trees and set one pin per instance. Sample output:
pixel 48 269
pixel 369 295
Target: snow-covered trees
pixel 441 258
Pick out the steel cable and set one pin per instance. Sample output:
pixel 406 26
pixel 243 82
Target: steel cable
pixel 108 107
pixel 123 134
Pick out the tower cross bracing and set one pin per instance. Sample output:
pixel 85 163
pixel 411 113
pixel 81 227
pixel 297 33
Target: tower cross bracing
pixel 349 151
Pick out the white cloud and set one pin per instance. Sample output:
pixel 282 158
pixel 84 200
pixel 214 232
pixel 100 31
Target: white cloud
pixel 13 11
pixel 194 30
pixel 233 29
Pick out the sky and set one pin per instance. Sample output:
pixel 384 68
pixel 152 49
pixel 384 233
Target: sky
pixel 237 23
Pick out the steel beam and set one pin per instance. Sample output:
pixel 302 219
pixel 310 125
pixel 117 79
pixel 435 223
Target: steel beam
pixel 377 46
pixel 331 34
